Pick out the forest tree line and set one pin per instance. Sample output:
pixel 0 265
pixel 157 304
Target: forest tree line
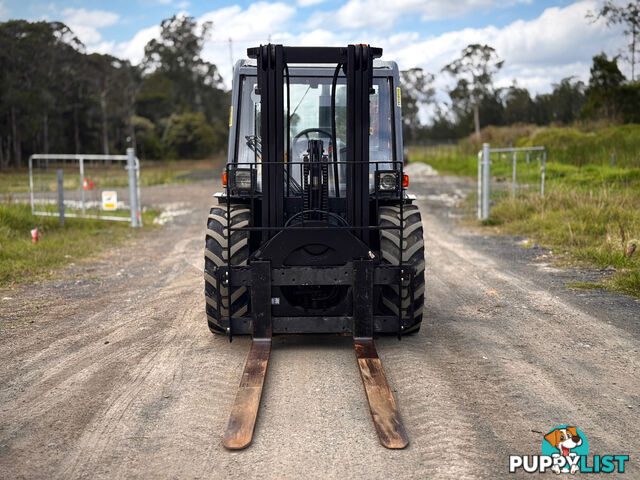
pixel 55 98
pixel 607 97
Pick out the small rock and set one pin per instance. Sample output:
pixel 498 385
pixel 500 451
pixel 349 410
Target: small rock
pixel 535 246
pixel 106 342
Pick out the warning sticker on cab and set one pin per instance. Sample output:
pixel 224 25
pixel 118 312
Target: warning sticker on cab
pixel 398 97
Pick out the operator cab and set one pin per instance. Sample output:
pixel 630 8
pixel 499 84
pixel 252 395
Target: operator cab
pixel 308 99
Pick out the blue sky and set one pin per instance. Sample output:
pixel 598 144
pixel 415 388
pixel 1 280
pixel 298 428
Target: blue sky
pixel 540 41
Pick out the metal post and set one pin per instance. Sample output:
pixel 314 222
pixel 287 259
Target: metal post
pixel 61 197
pixel 513 179
pixel 486 178
pixel 544 171
pixel 480 185
pixel 31 194
pixel 133 189
pixel 82 185
pixel 138 202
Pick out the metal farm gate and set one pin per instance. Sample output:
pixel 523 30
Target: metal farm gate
pixel 105 187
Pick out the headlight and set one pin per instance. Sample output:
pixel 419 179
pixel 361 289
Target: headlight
pixel 387 180
pixel 241 180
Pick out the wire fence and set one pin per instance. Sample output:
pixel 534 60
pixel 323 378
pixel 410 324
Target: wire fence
pixel 509 172
pixel 105 187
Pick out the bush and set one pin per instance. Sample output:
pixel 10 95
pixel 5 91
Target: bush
pixel 147 142
pixel 190 136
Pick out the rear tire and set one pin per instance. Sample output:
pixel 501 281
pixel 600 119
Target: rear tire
pixel 215 255
pixel 412 253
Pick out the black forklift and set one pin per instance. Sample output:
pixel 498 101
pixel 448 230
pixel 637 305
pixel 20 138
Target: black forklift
pixel 315 231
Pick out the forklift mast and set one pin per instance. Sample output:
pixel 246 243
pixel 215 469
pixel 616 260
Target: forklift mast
pixel 357 63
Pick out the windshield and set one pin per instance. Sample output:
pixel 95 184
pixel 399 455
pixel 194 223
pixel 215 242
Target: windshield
pixel 310 111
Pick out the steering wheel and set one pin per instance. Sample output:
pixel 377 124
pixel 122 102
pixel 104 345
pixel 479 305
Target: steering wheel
pixel 306 133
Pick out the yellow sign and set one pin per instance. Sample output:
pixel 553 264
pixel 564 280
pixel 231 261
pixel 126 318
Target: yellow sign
pixel 398 97
pixel 109 200
pixel 231 115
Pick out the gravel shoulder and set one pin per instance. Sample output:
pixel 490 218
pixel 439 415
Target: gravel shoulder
pixel 111 372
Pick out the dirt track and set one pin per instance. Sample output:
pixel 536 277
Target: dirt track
pixel 111 371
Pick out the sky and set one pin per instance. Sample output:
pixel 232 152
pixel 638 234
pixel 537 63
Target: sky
pixel 540 41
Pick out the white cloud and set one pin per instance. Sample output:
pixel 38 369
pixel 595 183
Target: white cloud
pixel 246 28
pixel 559 43
pixel 4 11
pixel 308 3
pixel 86 23
pixel 383 14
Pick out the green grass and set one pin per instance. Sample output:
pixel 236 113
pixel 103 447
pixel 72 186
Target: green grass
pixel 591 224
pixel 591 146
pixel 579 145
pixel 21 260
pixel 589 215
pixel 584 286
pixel 158 173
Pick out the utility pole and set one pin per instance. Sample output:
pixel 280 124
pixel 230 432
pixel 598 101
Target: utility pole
pixel 231 54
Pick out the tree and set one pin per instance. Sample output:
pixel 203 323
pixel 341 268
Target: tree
pixel 602 95
pixel 567 100
pixel 628 15
pixel 35 62
pixel 177 54
pixel 518 106
pixel 417 91
pixel 474 70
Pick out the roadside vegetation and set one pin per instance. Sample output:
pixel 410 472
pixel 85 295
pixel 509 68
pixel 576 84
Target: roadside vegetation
pixel 590 214
pixel 151 173
pixel 21 260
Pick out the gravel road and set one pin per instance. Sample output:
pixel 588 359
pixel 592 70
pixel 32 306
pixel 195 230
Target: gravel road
pixel 111 372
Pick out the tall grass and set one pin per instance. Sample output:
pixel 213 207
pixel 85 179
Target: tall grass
pixel 591 226
pixel 591 210
pixel 578 145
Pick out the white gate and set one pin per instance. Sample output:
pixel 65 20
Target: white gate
pixel 509 157
pixel 106 187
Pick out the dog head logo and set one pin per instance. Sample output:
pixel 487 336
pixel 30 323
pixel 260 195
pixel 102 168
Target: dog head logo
pixel 565 441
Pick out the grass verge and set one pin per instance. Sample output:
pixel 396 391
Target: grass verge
pixel 21 260
pixel 114 176
pixel 589 214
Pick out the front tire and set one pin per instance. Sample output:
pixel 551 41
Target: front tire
pixel 216 253
pixel 412 248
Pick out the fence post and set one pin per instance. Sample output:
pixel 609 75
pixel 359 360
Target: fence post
pixel 61 197
pixel 31 193
pixel 486 179
pixel 82 193
pixel 513 180
pixel 480 185
pixel 133 189
pixel 544 171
